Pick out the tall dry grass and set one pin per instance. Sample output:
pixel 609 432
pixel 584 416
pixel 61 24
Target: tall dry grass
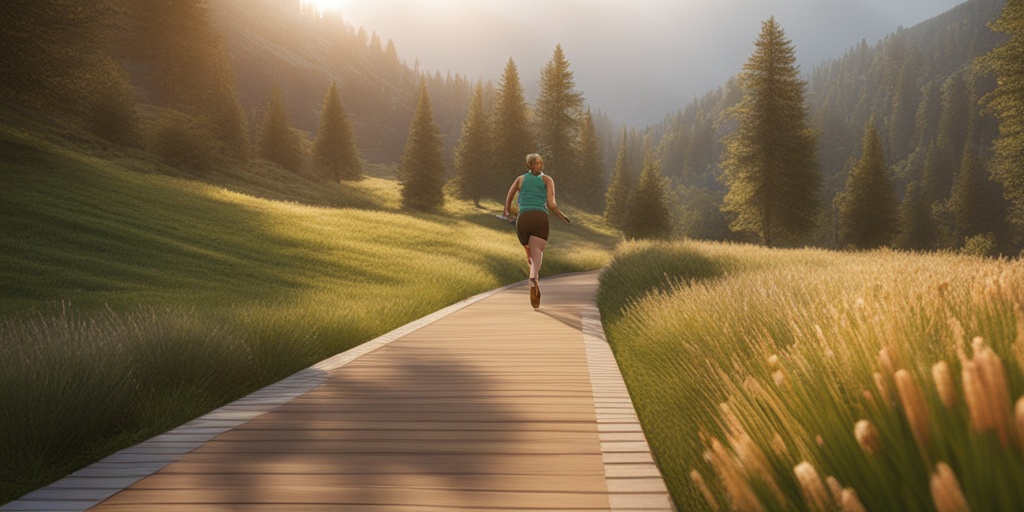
pixel 813 380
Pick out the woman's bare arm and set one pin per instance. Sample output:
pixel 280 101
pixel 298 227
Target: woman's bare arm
pixel 552 205
pixel 511 194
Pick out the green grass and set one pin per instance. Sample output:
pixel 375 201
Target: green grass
pixel 132 301
pixel 744 362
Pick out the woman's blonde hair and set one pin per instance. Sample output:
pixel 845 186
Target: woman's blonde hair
pixel 532 157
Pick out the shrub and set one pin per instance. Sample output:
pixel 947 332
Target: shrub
pixel 980 245
pixel 112 114
pixel 183 142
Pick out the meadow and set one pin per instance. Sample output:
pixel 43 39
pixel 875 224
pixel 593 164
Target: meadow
pixel 801 379
pixel 133 300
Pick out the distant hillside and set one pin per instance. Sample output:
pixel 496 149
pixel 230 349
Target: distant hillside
pixel 280 41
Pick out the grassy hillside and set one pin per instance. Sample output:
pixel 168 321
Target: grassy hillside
pixel 132 301
pixel 802 379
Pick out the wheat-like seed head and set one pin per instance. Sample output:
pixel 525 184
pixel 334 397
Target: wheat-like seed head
pixel 1018 421
pixel 740 493
pixel 885 363
pixel 883 389
pixel 913 406
pixel 850 502
pixel 993 378
pixel 867 436
pixel 813 490
pixel 703 488
pixel 835 488
pixel 944 383
pixel 946 491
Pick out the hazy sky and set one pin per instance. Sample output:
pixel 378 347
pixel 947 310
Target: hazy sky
pixel 635 60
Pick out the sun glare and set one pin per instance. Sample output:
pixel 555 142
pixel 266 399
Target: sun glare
pixel 328 5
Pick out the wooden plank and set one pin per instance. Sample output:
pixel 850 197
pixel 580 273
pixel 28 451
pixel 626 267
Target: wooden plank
pixel 317 423
pixel 451 482
pixel 413 445
pixel 422 434
pixel 493 407
pixel 582 466
pixel 392 496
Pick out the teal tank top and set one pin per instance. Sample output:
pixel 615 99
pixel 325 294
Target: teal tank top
pixel 533 193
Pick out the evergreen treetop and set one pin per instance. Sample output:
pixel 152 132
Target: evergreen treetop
pixel 771 164
pixel 473 153
pixel 510 128
pixel 620 187
pixel 590 169
pixel 278 141
pixel 868 213
pixel 421 172
pixel 648 215
pixel 559 110
pixel 334 149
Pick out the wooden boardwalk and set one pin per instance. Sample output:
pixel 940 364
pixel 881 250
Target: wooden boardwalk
pixel 487 405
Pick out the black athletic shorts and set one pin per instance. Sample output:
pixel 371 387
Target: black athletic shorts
pixel 532 223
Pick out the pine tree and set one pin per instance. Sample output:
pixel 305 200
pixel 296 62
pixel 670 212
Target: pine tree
pixel 559 109
pixel 334 150
pixel 620 188
pixel 867 215
pixel 1007 102
pixel 647 215
pixel 473 153
pixel 770 165
pixel 967 198
pixel 51 48
pixel 590 191
pixel 112 113
pixel 224 113
pixel 673 150
pixel 175 39
pixel 934 163
pixel 917 232
pixel 421 172
pixel 926 119
pixel 952 134
pixel 700 153
pixel 178 41
pixel 278 142
pixel 905 99
pixel 56 58
pixel 510 130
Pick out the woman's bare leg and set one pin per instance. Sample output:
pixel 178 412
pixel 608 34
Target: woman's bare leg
pixel 536 249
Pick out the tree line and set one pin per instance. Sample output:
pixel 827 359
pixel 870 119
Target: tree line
pixel 499 130
pixel 177 94
pixel 932 106
pixel 155 75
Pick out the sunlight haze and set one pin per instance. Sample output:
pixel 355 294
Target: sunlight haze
pixel 635 61
pixel 328 5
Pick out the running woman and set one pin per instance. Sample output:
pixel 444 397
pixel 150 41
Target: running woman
pixel 536 197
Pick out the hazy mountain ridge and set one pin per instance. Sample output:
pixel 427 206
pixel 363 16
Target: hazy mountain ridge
pixel 272 41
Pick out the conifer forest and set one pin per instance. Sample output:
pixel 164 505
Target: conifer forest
pixel 910 143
